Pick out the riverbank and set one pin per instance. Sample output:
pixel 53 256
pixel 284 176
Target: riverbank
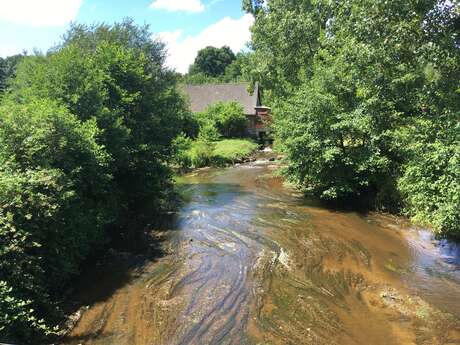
pixel 249 261
pixel 199 153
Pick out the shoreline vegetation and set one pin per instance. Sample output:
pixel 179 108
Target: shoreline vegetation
pixel 366 101
pixel 86 134
pixel 200 154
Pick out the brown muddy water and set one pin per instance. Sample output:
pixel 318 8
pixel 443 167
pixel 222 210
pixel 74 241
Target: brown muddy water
pixel 249 261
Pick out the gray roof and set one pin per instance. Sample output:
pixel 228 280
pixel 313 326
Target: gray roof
pixel 201 96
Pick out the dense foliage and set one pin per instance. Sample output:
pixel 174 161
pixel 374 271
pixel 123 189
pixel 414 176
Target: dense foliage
pixel 366 97
pixel 224 119
pixel 85 140
pixel 51 177
pixel 212 61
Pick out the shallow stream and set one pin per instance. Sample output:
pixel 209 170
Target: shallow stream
pixel 249 261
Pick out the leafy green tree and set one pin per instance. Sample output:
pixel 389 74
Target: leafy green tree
pixel 86 136
pixel 430 183
pixel 285 38
pixel 237 70
pixel 212 61
pixel 116 75
pixel 348 81
pixel 199 78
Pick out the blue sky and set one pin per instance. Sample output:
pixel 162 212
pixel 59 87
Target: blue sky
pixel 185 25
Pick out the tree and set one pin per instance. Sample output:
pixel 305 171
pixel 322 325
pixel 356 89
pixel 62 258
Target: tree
pixel 349 81
pixel 116 76
pixel 212 61
pixel 252 6
pixel 285 38
pixel 86 136
pixel 237 70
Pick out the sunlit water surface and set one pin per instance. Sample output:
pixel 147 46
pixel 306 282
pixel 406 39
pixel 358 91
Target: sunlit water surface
pixel 249 261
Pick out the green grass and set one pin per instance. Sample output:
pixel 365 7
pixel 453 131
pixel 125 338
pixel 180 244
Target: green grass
pixel 218 153
pixel 232 150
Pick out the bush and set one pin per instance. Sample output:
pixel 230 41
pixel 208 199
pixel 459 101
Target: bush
pixel 201 153
pixel 228 119
pixel 430 183
pixel 208 131
pixel 53 207
pixel 17 316
pixel 182 146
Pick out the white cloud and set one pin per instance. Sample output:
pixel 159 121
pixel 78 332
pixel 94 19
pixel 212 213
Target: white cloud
pixel 39 12
pixel 193 6
pixel 182 51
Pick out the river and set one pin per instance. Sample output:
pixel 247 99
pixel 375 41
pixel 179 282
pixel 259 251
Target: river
pixel 250 261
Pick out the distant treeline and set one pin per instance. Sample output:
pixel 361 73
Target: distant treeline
pixel 366 100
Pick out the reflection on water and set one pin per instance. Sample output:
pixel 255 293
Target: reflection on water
pixel 435 269
pixel 250 262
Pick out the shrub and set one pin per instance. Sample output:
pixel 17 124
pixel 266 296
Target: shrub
pixel 201 153
pixel 53 207
pixel 208 131
pixel 430 183
pixel 228 119
pixel 17 316
pixel 182 146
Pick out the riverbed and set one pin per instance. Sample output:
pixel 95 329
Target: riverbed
pixel 249 261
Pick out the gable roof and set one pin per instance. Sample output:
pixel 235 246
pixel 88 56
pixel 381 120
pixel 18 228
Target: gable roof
pixel 201 96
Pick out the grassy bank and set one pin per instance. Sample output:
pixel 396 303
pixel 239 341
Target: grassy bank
pixel 214 153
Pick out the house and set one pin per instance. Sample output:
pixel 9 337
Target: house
pixel 202 96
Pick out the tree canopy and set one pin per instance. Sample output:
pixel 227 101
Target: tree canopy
pixel 366 100
pixel 236 71
pixel 212 61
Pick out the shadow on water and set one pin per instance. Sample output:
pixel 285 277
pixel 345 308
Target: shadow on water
pixel 102 277
pixel 142 291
